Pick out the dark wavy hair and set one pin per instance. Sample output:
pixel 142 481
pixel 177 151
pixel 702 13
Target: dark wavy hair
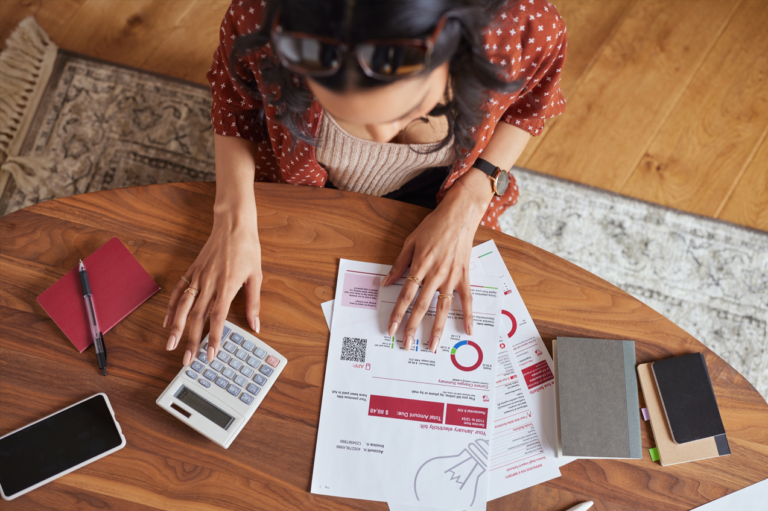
pixel 471 75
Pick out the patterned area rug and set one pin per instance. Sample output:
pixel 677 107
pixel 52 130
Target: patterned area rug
pixel 707 276
pixel 89 125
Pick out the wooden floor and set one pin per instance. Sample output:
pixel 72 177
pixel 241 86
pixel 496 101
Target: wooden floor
pixel 667 99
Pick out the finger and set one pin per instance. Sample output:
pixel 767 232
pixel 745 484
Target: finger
pixel 420 308
pixel 197 317
pixel 219 311
pixel 173 301
pixel 183 306
pixel 253 301
pixel 404 300
pixel 441 314
pixel 401 263
pixel 465 295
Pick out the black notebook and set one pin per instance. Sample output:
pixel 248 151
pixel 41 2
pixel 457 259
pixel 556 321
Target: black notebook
pixel 688 398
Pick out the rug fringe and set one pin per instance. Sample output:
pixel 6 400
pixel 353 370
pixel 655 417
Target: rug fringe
pixel 26 64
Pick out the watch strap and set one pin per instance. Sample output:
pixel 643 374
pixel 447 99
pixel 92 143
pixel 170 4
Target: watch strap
pixel 488 168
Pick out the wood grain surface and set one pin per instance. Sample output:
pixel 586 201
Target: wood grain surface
pixel 304 232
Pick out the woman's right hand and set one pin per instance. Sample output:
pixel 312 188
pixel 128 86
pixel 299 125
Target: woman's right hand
pixel 230 259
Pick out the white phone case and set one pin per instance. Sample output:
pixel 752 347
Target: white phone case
pixel 41 483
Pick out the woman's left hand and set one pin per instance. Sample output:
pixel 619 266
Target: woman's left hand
pixel 438 252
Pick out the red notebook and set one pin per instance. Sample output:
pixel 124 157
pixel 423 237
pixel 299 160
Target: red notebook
pixel 118 284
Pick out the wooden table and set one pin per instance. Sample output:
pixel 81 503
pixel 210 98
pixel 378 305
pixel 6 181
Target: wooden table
pixel 304 231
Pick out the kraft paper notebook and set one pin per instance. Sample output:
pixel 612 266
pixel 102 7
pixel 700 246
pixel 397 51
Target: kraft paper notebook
pixel 118 282
pixel 671 453
pixel 597 405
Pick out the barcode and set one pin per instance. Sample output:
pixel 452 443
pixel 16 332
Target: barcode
pixel 353 349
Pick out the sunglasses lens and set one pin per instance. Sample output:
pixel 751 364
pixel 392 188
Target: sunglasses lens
pixel 307 55
pixel 392 61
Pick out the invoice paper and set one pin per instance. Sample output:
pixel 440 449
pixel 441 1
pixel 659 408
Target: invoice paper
pixel 406 427
pixel 525 366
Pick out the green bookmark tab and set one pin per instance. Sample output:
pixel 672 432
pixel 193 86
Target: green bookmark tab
pixel 654 451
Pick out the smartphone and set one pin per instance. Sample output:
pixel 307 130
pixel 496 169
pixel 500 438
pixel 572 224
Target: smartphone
pixel 58 444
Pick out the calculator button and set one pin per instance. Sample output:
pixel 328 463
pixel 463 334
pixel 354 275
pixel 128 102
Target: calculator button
pixel 246 398
pixel 234 390
pixel 202 357
pixel 242 354
pixel 221 382
pixel 236 338
pixel 253 389
pixel 225 333
pixel 261 380
pixel 248 345
pixel 209 374
pixel 247 371
pixel 204 347
pixel 240 380
pixel 260 353
pixel 217 365
pixel 228 373
pixel 254 362
pixel 230 347
pixel 235 364
pixel 266 370
pixel 204 383
pixel 273 361
pixel 197 366
pixel 224 357
pixel 192 374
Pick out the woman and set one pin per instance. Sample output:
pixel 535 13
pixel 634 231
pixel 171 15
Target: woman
pixel 395 98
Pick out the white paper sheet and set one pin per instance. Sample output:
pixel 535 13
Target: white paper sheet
pixel 519 400
pixel 522 353
pixel 407 428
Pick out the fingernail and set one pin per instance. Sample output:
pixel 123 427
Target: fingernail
pixel 468 327
pixel 165 321
pixel 408 342
pixel 384 280
pixel 433 344
pixel 210 353
pixel 393 328
pixel 175 343
pixel 256 324
pixel 171 343
pixel 187 357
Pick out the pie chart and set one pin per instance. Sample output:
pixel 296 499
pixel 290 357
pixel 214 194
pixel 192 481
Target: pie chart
pixel 465 345
pixel 514 322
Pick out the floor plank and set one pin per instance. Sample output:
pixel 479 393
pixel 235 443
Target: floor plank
pixel 187 52
pixel 590 25
pixel 123 31
pixel 713 130
pixel 629 91
pixel 748 205
pixel 53 17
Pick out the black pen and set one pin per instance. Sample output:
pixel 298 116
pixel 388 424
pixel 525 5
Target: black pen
pixel 98 338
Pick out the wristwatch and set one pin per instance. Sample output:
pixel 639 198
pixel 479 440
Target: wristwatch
pixel 498 176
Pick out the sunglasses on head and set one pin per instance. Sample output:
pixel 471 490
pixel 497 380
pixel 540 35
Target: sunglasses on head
pixel 383 59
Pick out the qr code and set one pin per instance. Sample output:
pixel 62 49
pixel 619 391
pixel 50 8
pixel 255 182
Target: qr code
pixel 353 349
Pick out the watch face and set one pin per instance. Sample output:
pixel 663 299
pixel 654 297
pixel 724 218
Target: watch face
pixel 502 182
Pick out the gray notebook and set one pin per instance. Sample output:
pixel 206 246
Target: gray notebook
pixel 598 412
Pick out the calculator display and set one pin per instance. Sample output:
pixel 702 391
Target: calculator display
pixel 202 406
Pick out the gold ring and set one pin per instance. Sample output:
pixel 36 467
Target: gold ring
pixel 191 290
pixel 414 278
pixel 185 279
pixel 445 295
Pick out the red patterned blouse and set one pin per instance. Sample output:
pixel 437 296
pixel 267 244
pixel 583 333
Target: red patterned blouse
pixel 527 39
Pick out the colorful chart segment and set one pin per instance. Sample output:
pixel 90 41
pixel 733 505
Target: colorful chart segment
pixel 467 343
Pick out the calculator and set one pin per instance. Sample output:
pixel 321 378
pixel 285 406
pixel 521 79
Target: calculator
pixel 218 397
